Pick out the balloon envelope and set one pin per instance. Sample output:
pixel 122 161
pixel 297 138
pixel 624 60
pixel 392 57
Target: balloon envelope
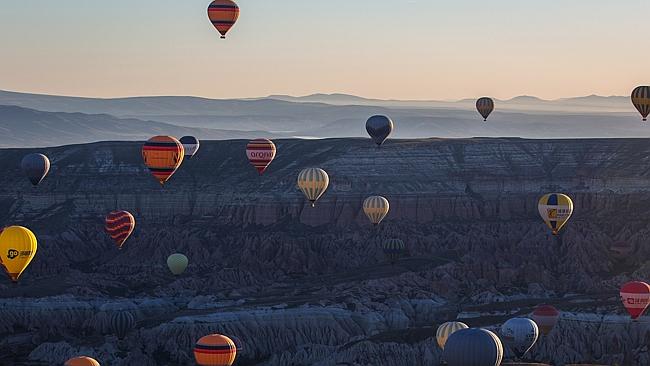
pixel 35 167
pixel 394 249
pixel 556 210
pixel 260 153
pixel 520 334
pixel 447 329
pixel 163 155
pixel 379 128
pixel 119 225
pixel 641 100
pixel 215 350
pixel 122 322
pixel 17 249
pixel 313 182
pixel 485 106
pixel 546 317
pixel 223 14
pixel 473 347
pixel 376 208
pixel 82 361
pixel 177 263
pixel 636 298
pixel 190 145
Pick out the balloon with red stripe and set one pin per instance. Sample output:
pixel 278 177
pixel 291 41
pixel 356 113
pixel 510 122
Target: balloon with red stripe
pixel 636 298
pixel 546 317
pixel 119 225
pixel 163 155
pixel 260 153
pixel 223 14
pixel 215 350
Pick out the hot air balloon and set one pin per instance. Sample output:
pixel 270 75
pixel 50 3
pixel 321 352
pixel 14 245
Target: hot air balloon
pixel 636 298
pixel 177 263
pixel 393 249
pixel 223 14
pixel 555 209
pixel 35 167
pixel 215 350
pixel 313 182
pixel 520 334
pixel 82 361
pixel 122 322
pixel 376 208
pixel 447 329
pixel 260 153
pixel 190 145
pixel 546 317
pixel 379 128
pixel 473 347
pixel 163 155
pixel 641 100
pixel 485 106
pixel 119 225
pixel 17 249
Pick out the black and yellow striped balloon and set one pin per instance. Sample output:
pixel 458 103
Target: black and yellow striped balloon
pixel 376 208
pixel 485 106
pixel 313 182
pixel 641 100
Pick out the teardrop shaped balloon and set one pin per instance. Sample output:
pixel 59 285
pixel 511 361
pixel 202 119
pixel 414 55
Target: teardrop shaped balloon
pixel 177 263
pixel 641 100
pixel 556 210
pixel 636 298
pixel 546 317
pixel 473 347
pixel 119 225
pixel 82 361
pixel 313 182
pixel 215 350
pixel 520 334
pixel 190 145
pixel 163 155
pixel 485 106
pixel 447 329
pixel 122 322
pixel 35 167
pixel 18 247
pixel 223 14
pixel 394 249
pixel 376 208
pixel 260 153
pixel 379 128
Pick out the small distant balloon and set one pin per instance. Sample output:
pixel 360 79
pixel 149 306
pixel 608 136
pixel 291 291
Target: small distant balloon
pixel 163 155
pixel 313 182
pixel 82 361
pixel 35 167
pixel 447 329
pixel 177 263
pixel 556 210
pixel 119 225
pixel 376 208
pixel 18 247
pixel 122 322
pixel 394 249
pixel 260 153
pixel 190 145
pixel 215 350
pixel 379 128
pixel 485 106
pixel 641 100
pixel 546 317
pixel 636 298
pixel 223 14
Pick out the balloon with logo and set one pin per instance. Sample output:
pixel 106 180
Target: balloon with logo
pixel 394 249
pixel 546 317
pixel 485 106
pixel 260 153
pixel 177 263
pixel 119 225
pixel 379 128
pixel 636 298
pixel 122 322
pixel 163 155
pixel 17 249
pixel 556 210
pixel 520 334
pixel 641 100
pixel 447 329
pixel 313 182
pixel 82 361
pixel 376 208
pixel 215 350
pixel 473 347
pixel 190 145
pixel 35 167
pixel 223 14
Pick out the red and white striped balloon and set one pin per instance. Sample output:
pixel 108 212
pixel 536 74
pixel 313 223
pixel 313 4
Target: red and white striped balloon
pixel 260 153
pixel 546 316
pixel 636 298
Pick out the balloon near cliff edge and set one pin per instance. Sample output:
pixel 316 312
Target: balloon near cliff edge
pixel 18 247
pixel 223 15
pixel 163 155
pixel 379 127
pixel 260 153
pixel 35 167
pixel 190 145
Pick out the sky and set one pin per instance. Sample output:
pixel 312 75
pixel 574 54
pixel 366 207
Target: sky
pixel 398 49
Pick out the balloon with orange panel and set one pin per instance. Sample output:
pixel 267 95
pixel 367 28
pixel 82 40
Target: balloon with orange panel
pixel 17 249
pixel 260 153
pixel 223 14
pixel 82 361
pixel 215 350
pixel 636 298
pixel 163 155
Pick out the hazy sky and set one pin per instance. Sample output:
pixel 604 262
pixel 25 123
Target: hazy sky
pixel 402 49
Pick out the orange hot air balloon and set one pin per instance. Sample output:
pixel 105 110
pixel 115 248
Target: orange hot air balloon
pixel 215 350
pixel 163 155
pixel 546 317
pixel 119 225
pixel 82 361
pixel 260 153
pixel 636 298
pixel 223 14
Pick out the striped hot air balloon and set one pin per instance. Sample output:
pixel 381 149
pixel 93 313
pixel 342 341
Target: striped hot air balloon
pixel 393 249
pixel 485 106
pixel 641 100
pixel 82 361
pixel 190 145
pixel 313 182
pixel 260 153
pixel 636 298
pixel 556 209
pixel 546 317
pixel 376 208
pixel 122 322
pixel 447 329
pixel 163 155
pixel 223 14
pixel 215 350
pixel 119 225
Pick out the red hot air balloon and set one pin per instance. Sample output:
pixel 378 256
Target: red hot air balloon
pixel 260 153
pixel 120 225
pixel 546 317
pixel 636 298
pixel 223 14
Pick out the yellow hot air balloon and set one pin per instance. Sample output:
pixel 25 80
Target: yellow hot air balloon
pixel 376 208
pixel 555 209
pixel 17 249
pixel 313 183
pixel 177 263
pixel 447 329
